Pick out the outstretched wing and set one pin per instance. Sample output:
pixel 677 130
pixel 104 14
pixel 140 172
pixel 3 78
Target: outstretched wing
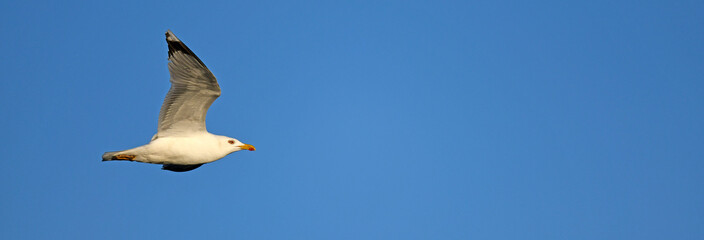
pixel 193 90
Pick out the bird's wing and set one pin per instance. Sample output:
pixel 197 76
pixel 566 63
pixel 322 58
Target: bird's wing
pixel 180 168
pixel 193 90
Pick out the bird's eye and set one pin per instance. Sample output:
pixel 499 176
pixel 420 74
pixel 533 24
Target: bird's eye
pixel 231 141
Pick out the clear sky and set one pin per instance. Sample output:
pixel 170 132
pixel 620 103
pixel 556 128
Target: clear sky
pixel 372 120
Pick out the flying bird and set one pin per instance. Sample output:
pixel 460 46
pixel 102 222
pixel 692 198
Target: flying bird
pixel 182 143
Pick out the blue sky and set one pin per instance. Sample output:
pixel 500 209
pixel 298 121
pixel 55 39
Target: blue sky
pixel 372 120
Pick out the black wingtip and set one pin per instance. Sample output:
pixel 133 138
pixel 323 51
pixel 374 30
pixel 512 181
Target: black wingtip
pixel 175 45
pixel 180 168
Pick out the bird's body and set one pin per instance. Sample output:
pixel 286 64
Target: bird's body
pixel 197 148
pixel 182 142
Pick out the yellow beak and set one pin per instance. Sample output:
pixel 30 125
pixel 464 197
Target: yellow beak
pixel 248 147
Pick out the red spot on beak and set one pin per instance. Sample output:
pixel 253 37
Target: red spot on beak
pixel 248 147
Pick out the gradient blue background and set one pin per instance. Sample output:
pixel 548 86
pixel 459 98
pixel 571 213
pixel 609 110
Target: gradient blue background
pixel 372 120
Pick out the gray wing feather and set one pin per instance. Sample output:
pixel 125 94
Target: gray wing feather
pixel 193 90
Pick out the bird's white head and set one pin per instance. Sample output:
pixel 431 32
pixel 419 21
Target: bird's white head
pixel 235 145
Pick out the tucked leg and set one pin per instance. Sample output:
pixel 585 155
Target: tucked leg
pixel 124 157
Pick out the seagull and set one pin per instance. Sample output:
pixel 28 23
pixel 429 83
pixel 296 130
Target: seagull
pixel 182 143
